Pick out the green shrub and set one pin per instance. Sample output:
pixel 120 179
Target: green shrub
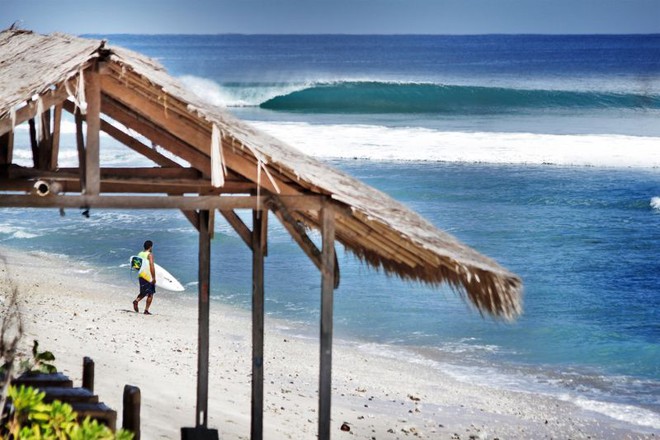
pixel 41 361
pixel 35 420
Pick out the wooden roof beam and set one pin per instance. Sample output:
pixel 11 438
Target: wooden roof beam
pixel 129 141
pixel 239 226
pixel 300 236
pixel 29 111
pixel 305 203
pixel 196 136
pixel 156 133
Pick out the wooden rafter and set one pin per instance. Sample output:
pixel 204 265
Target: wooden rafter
pixel 300 236
pixel 29 111
pixel 239 226
pixel 195 135
pixel 155 133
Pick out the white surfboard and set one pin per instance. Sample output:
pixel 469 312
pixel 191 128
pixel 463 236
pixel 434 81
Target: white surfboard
pixel 164 279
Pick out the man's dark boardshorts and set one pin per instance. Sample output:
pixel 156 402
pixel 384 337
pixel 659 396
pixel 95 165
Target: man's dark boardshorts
pixel 146 288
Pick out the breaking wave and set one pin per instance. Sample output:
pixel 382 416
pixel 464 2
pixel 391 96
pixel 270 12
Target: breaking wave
pixel 361 97
pixel 387 97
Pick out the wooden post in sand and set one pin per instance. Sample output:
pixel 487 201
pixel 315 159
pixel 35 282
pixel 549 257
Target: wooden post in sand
pixel 327 291
pixel 259 223
pixel 201 417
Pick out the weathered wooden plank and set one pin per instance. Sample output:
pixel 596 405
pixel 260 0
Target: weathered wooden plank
pixel 154 202
pixel 248 168
pixel 172 122
pixel 264 231
pixel 327 293
pixel 201 416
pixel 129 141
pixel 193 218
pixel 241 229
pixel 29 111
pixel 45 143
pixel 259 219
pixel 33 143
pixel 7 148
pixel 299 235
pixel 138 186
pixel 80 146
pixel 137 146
pixel 93 120
pixel 157 134
pixel 362 234
pixel 55 138
pixel 187 174
pixel 197 136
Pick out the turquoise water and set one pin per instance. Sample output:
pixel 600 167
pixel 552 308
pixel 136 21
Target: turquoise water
pixel 541 152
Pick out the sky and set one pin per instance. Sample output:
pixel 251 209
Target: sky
pixel 333 16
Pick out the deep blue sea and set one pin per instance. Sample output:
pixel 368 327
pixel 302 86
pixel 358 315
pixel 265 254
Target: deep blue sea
pixel 542 152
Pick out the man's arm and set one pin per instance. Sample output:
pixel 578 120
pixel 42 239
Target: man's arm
pixel 153 268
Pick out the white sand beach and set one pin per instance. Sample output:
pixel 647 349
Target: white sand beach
pixel 76 314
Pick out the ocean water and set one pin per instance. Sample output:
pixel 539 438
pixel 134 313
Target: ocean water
pixel 542 152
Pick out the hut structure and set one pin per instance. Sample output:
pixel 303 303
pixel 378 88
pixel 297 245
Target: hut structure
pixel 220 165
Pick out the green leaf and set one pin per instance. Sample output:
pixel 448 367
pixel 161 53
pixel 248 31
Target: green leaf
pixel 124 435
pixel 48 368
pixel 45 356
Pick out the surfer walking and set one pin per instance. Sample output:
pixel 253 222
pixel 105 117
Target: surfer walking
pixel 147 278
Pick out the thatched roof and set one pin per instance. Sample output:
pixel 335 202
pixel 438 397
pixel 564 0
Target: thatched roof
pixel 378 229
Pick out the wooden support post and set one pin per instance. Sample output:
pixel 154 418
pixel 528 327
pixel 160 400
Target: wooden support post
pixel 45 142
pixel 327 288
pixel 80 145
pixel 259 236
pixel 131 410
pixel 93 119
pixel 33 143
pixel 55 138
pixel 6 148
pixel 201 417
pixel 88 374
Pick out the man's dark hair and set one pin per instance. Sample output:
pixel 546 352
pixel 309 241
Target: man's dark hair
pixel 148 244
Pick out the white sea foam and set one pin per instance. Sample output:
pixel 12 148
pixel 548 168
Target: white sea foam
pixel 624 413
pixel 422 144
pixel 655 203
pixel 24 234
pixel 17 232
pixel 225 96
pixel 492 377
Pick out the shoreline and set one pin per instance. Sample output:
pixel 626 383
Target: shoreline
pixel 75 315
